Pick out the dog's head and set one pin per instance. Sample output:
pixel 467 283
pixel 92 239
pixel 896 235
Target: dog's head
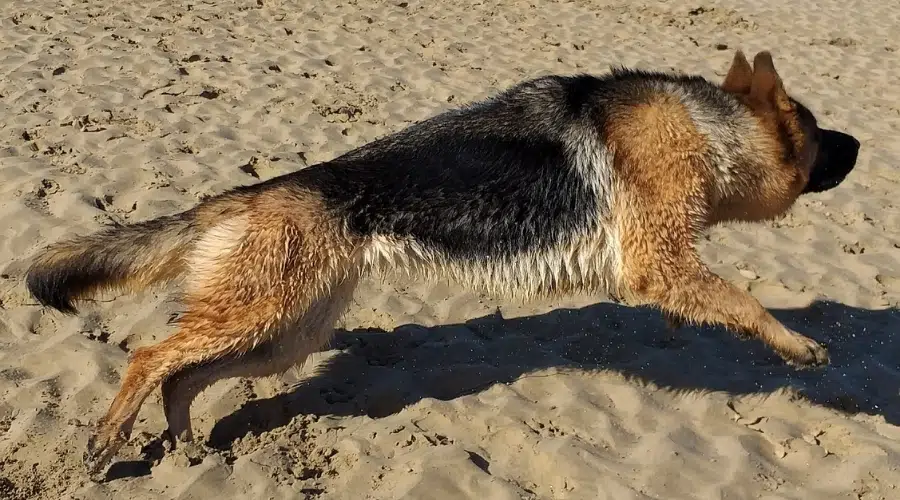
pixel 802 157
pixel 833 152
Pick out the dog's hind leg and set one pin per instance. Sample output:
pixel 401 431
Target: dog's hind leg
pixel 292 347
pixel 181 388
pixel 208 333
pixel 250 279
pixel 195 343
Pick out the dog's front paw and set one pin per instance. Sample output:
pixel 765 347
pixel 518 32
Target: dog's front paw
pixel 102 447
pixel 804 352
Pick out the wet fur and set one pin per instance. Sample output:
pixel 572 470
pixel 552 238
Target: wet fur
pixel 557 185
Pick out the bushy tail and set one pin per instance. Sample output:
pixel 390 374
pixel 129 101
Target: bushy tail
pixel 124 257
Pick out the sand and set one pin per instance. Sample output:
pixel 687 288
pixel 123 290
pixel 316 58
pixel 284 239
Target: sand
pixel 123 111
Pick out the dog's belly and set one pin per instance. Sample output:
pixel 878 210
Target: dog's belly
pixel 587 265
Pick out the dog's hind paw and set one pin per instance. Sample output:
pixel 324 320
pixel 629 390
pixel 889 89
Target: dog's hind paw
pixel 101 448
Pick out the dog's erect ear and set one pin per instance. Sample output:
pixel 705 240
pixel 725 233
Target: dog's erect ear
pixel 766 85
pixel 739 76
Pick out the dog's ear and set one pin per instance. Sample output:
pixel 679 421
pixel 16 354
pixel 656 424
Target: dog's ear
pixel 766 85
pixel 739 76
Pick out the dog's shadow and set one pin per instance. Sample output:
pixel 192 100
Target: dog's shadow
pixel 378 373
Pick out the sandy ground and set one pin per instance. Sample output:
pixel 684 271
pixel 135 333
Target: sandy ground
pixel 122 111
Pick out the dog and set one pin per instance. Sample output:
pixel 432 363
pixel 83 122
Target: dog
pixel 554 186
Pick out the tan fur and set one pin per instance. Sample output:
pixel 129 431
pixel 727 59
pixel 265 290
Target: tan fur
pixel 666 195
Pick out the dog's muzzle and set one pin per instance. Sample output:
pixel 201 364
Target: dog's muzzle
pixel 837 157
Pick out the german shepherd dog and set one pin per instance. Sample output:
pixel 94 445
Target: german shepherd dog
pixel 557 185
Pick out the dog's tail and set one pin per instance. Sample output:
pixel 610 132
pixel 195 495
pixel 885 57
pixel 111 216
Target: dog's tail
pixel 130 257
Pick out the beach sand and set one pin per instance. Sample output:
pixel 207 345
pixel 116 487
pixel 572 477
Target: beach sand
pixel 124 111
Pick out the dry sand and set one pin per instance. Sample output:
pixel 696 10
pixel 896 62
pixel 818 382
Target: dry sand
pixel 122 111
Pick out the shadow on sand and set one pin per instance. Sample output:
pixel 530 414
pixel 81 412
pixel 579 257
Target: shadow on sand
pixel 378 373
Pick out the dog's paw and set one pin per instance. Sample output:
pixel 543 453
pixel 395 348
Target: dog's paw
pixel 102 447
pixel 804 352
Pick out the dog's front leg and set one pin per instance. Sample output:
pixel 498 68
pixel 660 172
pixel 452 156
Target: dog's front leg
pixel 683 287
pixel 660 266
